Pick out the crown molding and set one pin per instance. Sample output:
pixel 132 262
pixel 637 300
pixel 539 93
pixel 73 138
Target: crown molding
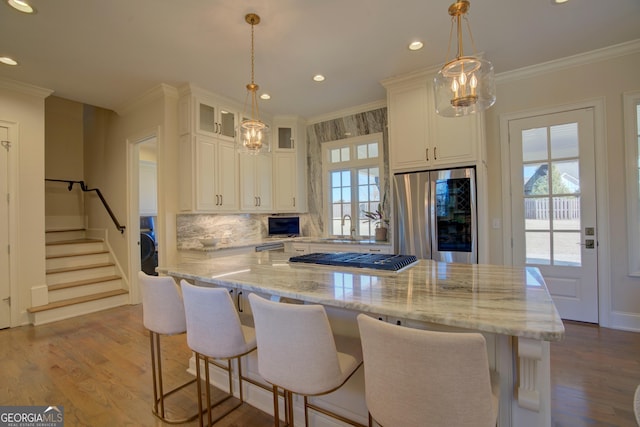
pixel 375 105
pixel 603 54
pixel 155 93
pixel 24 88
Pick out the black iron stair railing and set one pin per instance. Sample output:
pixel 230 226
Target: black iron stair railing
pixel 84 188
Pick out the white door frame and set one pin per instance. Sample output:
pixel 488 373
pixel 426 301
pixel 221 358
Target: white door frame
pixel 133 208
pixel 14 289
pixel 602 197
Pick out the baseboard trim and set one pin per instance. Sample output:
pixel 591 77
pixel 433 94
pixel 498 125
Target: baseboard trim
pixel 624 321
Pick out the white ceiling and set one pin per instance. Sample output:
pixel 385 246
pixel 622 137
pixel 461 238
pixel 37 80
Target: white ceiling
pixel 106 52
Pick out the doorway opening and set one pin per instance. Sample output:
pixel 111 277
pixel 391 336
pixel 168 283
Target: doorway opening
pixel 143 209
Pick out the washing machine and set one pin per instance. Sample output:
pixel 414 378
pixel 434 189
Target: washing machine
pixel 148 246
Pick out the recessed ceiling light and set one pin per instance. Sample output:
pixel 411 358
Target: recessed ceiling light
pixel 318 78
pixel 265 96
pixel 8 61
pixel 21 5
pixel 559 1
pixel 417 45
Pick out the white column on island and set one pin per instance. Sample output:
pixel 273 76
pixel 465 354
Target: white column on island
pixel 532 385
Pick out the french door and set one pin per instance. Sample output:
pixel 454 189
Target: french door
pixel 553 206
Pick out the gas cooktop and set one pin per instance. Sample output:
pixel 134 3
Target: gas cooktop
pixel 360 260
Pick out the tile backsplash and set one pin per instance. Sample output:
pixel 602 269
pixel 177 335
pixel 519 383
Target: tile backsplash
pixel 232 230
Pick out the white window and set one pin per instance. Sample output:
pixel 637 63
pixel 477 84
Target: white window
pixel 632 148
pixel 352 171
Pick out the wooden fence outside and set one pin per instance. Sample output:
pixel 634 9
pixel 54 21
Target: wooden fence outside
pixel 563 208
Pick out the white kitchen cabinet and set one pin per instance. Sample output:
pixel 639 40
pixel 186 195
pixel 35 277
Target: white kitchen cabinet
pixel 216 120
pixel 349 247
pixel 285 137
pixel 256 179
pixel 286 185
pixel 419 138
pixel 208 160
pixel 296 248
pixel 209 174
pixel 289 165
pixel 300 248
pixel 206 114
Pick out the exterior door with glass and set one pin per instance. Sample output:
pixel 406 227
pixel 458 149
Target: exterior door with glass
pixel 553 206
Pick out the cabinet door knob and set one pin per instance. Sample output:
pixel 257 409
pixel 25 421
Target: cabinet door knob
pixel 221 200
pixel 294 202
pixel 426 150
pixel 435 153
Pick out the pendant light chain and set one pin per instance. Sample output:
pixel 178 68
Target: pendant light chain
pixel 252 54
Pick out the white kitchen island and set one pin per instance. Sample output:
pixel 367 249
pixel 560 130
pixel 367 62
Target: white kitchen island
pixel 510 306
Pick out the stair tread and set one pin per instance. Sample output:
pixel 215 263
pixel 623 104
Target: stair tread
pixel 64 230
pixel 76 283
pixel 71 254
pixel 77 300
pixel 74 241
pixel 79 267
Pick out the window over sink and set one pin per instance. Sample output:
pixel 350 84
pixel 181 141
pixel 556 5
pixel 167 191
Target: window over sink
pixel 352 177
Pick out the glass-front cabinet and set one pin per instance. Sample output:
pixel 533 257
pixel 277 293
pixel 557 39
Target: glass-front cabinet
pixel 286 139
pixel 215 119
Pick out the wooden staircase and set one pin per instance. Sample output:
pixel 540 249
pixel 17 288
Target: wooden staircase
pixel 81 277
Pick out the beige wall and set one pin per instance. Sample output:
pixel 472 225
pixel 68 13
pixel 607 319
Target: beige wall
pixel 605 80
pixel 63 160
pixel 107 139
pixel 24 106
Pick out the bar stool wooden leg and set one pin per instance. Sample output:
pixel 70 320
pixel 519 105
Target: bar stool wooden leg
pixel 276 409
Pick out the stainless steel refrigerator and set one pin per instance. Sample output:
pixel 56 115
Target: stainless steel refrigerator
pixel 436 216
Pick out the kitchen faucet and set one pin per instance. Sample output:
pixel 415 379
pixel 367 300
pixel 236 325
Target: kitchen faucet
pixel 353 229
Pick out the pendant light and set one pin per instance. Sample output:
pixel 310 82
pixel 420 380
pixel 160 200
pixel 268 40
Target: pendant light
pixel 253 133
pixel 465 85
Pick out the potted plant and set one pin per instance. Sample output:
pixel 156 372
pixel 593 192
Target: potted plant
pixel 382 222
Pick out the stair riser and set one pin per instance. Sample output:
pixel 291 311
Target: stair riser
pixel 80 291
pixel 78 260
pixel 59 236
pixel 72 276
pixel 74 248
pixel 67 312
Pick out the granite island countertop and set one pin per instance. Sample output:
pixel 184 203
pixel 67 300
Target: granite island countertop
pixel 497 299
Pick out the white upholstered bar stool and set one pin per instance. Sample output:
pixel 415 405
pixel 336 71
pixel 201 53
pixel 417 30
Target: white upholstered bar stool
pixel 298 353
pixel 162 314
pixel 425 378
pixel 214 331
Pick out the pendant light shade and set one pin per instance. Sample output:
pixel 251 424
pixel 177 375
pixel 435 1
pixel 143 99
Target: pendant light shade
pixel 465 85
pixel 252 133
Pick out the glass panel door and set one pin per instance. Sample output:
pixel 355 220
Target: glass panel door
pixel 553 206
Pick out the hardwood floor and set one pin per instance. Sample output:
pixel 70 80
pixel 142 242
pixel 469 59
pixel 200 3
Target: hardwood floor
pixel 594 373
pixel 97 367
